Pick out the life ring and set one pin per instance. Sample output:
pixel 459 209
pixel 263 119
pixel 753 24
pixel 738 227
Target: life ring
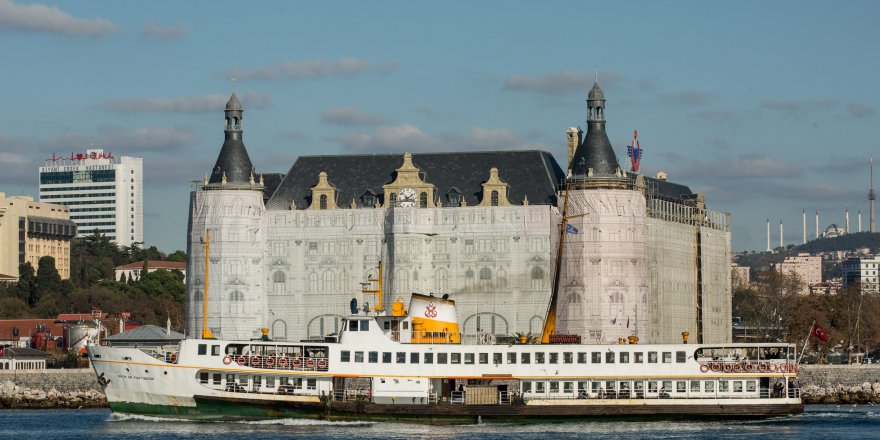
pixel 794 368
pixel 270 361
pixel 783 368
pixel 297 363
pixel 322 364
pixel 310 363
pixel 762 367
pixel 242 360
pixel 749 367
pixel 771 368
pixel 736 368
pixel 716 367
pixel 255 361
pixel 282 362
pixel 704 368
pixel 227 360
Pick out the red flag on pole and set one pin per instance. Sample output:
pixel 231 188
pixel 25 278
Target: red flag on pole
pixel 819 332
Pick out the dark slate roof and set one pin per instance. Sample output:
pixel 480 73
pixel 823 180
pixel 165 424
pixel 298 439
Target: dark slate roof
pixel 270 183
pixel 147 332
pixel 664 188
pixel 234 161
pixel 23 352
pixel 233 104
pixel 529 173
pixel 595 152
pixel 596 93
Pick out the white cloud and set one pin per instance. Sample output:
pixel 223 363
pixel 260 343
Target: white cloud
pixel 127 141
pixel 49 19
pixel 688 97
pixel 859 110
pixel 160 32
pixel 343 67
pixel 407 137
pixel 347 116
pixel 12 159
pixel 194 104
pixel 560 83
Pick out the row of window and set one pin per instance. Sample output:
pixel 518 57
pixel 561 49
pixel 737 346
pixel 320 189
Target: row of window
pixel 654 386
pixel 68 196
pixel 511 358
pixel 77 188
pixel 258 382
pixel 85 176
pixel 83 217
pixel 109 208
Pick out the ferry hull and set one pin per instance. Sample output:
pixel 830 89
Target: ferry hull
pixel 221 407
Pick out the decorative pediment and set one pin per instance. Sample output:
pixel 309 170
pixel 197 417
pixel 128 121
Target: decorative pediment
pixel 494 190
pixel 408 188
pixel 323 194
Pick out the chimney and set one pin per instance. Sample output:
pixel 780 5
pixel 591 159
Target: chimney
pixel 168 326
pixel 575 135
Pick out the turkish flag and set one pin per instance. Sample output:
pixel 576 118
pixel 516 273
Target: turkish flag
pixel 819 332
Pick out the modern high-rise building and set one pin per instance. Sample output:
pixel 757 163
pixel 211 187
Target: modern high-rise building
pixel 104 193
pixel 808 268
pixel 31 230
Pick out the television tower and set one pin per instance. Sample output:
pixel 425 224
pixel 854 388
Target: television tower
pixel 871 197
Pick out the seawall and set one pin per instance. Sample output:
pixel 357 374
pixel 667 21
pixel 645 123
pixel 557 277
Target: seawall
pixel 840 383
pixel 76 388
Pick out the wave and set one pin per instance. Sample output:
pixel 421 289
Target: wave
pixel 303 422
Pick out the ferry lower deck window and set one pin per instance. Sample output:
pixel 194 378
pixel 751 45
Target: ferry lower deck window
pixel 203 377
pixel 582 358
pixel 737 386
pixel 539 387
pixel 709 386
pixel 401 357
pixel 455 358
pixel 497 358
pixel 203 349
pixel 215 350
pixel 554 358
pixel 680 386
pixel 358 356
pixel 652 387
pixel 609 357
pixel 751 386
pixel 597 357
pixel 413 358
pixel 624 358
pixel 230 378
pixel 429 358
pixel 386 357
pixel 441 358
pixel 539 357
pixel 243 379
pixel 639 358
pixel 218 378
pixel 353 325
pixel 270 381
pixel 511 358
pixel 527 387
pixel 554 387
pixel 526 358
pixel 723 386
pixel 468 358
pixel 484 358
pixel 568 387
pixel 680 357
pixel 695 386
pixel 568 357
pixel 345 356
pixel 374 357
pixel 311 384
pixel 667 357
pixel 652 357
pixel 667 385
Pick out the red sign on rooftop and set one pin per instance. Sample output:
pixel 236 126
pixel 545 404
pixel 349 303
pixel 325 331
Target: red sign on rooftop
pixel 82 156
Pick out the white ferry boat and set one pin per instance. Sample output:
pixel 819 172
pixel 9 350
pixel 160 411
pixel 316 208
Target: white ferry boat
pixel 417 366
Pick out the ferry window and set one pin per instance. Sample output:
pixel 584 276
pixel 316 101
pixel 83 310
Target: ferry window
pixel 230 378
pixel 456 358
pixel 203 377
pixel 401 357
pixel 568 387
pixel 365 325
pixel 441 358
pixel 203 349
pixel 539 387
pixel 218 378
pixel 568 357
pixel 723 386
pixel 554 358
pixel 652 357
pixel 624 358
pixel 609 385
pixel 680 386
pixel 597 357
pixel 680 357
pixel 258 381
pixel 345 356
pixel 468 358
pixel 358 356
pixel 243 379
pixel 582 386
pixel 484 358
pixel 353 325
pixel 511 358
pixel 527 387
pixel 270 381
pixel 582 358
pixel 497 358
pixel 695 386
pixel 667 357
pixel 215 350
pixel 386 357
pixel 374 357
pixel 554 387
pixel 413 358
pixel 640 357
pixel 406 325
pixel 737 386
pixel 311 384
pixel 526 358
pixel 667 385
pixel 539 357
pixel 609 357
pixel 429 358
pixel 709 386
pixel 595 386
pixel 284 380
pixel 750 386
pixel 652 387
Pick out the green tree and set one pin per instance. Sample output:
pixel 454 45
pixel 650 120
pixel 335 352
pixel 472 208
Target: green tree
pixel 27 282
pixel 162 283
pixel 123 279
pixel 48 281
pixel 178 256
pixel 12 308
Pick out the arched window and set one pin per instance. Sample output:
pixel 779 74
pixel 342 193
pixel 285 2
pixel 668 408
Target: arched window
pixel 327 284
pixel 536 325
pixel 494 198
pixel 537 278
pixel 392 199
pixel 313 282
pixel 279 330
pixel 485 323
pixel 423 200
pixel 235 305
pixel 279 282
pixel 469 278
pixel 368 199
pixel 323 202
pixel 485 278
pixel 453 197
pixel 441 280
pixel 323 325
pixel 501 278
pixel 401 280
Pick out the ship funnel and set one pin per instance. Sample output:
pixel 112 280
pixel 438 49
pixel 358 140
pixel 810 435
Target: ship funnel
pixel 434 320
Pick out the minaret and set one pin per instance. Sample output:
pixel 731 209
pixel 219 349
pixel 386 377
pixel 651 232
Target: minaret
pixel 847 221
pixel 871 197
pixel 805 225
pixel 768 235
pixel 860 220
pixel 817 223
pixel 781 243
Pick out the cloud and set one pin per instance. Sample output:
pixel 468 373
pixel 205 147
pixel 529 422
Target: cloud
pixel 717 116
pixel 12 159
pixel 797 108
pixel 194 104
pixel 126 141
pixel 688 97
pixel 347 116
pixel 51 20
pixel 407 137
pixel 308 69
pixel 745 167
pixel 296 136
pixel 160 32
pixel 859 110
pixel 560 83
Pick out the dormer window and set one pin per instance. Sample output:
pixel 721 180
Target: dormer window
pixel 368 199
pixel 423 200
pixel 453 197
pixel 392 199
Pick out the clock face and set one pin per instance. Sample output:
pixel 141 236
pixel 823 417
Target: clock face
pixel 408 194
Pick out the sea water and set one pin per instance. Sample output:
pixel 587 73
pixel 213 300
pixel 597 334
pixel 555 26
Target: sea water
pixel 818 421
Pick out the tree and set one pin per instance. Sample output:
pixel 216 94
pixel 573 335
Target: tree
pixel 769 306
pixel 178 256
pixel 162 283
pixel 48 280
pixel 27 282
pixel 123 279
pixel 12 308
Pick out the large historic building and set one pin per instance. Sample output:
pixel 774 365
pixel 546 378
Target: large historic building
pixel 31 230
pixel 642 256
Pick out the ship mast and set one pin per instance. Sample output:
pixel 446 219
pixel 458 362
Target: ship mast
pixel 379 307
pixel 550 321
pixel 206 334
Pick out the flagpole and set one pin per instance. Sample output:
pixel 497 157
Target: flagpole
pixel 806 341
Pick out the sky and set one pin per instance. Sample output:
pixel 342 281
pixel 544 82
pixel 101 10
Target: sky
pixel 768 108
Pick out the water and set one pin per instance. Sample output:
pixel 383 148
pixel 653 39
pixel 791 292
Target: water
pixel 818 421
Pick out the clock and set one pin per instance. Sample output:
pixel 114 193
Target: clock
pixel 407 198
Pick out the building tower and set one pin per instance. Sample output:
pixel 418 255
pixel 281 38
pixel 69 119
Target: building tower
pixel 227 211
pixel 871 197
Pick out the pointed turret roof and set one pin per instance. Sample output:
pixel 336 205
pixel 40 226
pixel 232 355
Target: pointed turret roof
pixel 233 161
pixel 595 157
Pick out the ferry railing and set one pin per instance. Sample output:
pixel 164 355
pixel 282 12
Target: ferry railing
pixel 424 337
pixel 457 398
pixel 280 362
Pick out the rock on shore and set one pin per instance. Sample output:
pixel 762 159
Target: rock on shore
pixel 864 393
pixel 13 396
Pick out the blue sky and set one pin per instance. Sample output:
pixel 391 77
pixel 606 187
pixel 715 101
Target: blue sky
pixel 766 107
